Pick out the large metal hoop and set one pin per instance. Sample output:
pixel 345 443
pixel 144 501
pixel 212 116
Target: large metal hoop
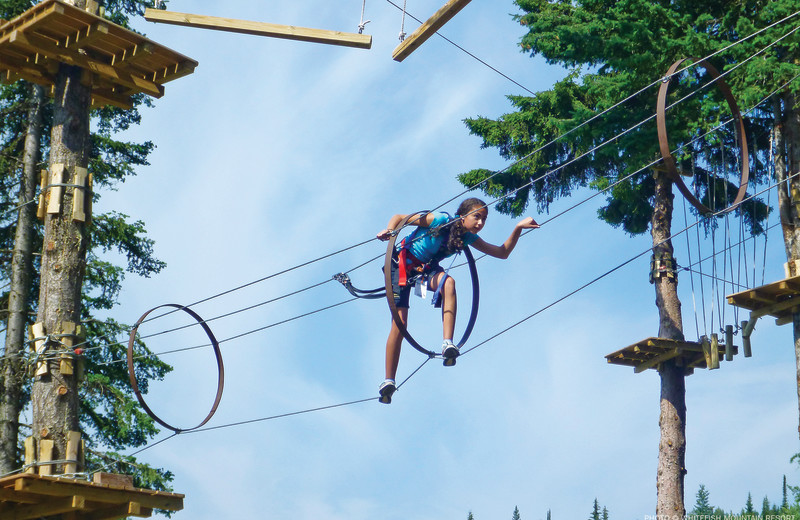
pixel 217 354
pixel 663 139
pixel 387 269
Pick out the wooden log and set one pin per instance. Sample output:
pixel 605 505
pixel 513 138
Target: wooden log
pixel 40 210
pixel 73 452
pixel 428 29
pixel 746 341
pixel 79 197
pixel 714 352
pixel 728 342
pixel 65 362
pixel 288 32
pixel 30 455
pixel 46 447
pixel 55 192
pixel 39 347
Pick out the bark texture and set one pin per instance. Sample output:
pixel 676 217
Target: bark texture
pixel 55 396
pixel 672 421
pixel 21 275
pixel 787 144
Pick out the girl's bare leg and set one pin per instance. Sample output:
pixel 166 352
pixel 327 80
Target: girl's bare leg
pixel 393 344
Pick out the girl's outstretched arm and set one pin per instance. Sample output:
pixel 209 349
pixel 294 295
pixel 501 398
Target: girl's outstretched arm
pixel 419 219
pixel 504 250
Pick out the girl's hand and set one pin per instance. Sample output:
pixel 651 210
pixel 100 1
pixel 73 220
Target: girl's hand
pixel 384 235
pixel 528 223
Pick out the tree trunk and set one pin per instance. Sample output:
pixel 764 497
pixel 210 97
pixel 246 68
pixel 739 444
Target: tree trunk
pixel 12 375
pixel 787 146
pixel 55 395
pixel 672 447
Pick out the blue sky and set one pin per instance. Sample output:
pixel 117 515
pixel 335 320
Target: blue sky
pixel 276 152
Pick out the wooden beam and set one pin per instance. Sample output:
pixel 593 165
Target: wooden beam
pixel 72 57
pixel 289 32
pixel 428 29
pixel 54 487
pixel 120 511
pixel 54 506
pixel 672 353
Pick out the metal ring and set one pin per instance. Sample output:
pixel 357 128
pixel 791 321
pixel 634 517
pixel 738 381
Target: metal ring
pixel 217 354
pixel 663 139
pixel 387 269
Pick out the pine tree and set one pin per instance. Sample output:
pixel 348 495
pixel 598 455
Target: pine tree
pixel 470 517
pixel 106 399
pixel 613 48
pixel 766 508
pixel 595 511
pixel 748 506
pixel 785 501
pixel 515 516
pixel 702 505
pixel 605 513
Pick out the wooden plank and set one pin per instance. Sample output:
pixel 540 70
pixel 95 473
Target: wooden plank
pixel 79 196
pixel 670 354
pixel 428 29
pixel 7 494
pixel 73 451
pixel 88 35
pixel 65 359
pixel 40 210
pixel 289 32
pixel 119 511
pixel 55 192
pixel 46 447
pixel 30 454
pixel 72 57
pixel 56 506
pixel 714 352
pixel 113 480
pixel 95 493
pixel 39 345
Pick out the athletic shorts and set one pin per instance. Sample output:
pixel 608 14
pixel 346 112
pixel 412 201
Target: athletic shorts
pixel 402 295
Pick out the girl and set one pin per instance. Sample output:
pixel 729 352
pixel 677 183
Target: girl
pixel 422 252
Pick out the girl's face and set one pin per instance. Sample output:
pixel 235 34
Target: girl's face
pixel 475 220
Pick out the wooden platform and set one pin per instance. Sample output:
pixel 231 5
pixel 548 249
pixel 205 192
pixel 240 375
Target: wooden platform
pixel 651 352
pixel 119 62
pixel 778 299
pixel 25 496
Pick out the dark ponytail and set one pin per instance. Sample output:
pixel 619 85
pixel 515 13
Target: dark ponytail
pixel 454 233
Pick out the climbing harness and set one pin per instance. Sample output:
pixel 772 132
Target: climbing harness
pixel 387 269
pixel 411 271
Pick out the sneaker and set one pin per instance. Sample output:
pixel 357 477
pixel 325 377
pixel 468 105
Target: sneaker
pixel 449 353
pixel 386 390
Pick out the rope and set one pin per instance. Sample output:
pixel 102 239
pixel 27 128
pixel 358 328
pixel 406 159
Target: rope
pixel 402 34
pixel 362 24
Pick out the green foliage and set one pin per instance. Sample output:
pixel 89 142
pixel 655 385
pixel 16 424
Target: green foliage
pixel 515 516
pixel 702 505
pixel 110 416
pixel 595 515
pixel 470 517
pixel 614 48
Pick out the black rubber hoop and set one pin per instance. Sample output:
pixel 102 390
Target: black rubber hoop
pixel 663 139
pixel 217 354
pixel 387 269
